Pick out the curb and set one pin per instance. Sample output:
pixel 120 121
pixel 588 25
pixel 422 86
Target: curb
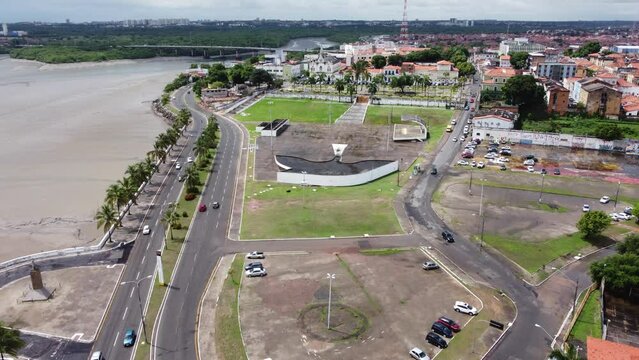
pixel 199 308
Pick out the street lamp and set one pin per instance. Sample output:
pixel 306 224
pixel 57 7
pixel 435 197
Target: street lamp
pixel 137 284
pixel 303 187
pixel 617 196
pixel 541 191
pixel 330 278
pixel 550 336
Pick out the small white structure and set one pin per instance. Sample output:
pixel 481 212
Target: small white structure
pixel 483 125
pixel 273 128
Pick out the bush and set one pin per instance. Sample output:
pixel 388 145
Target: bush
pixel 185 214
pixel 189 196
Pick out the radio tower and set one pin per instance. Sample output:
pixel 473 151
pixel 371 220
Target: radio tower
pixel 403 32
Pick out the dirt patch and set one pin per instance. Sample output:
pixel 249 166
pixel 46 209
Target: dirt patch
pixel 345 322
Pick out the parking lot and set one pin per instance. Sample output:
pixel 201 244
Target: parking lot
pixel 394 299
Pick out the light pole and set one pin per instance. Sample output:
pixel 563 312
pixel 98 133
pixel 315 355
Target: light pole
pixel 617 196
pixel 550 336
pixel 541 191
pixel 330 278
pixel 303 188
pixel 137 285
pixel 481 215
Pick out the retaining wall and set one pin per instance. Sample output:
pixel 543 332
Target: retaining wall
pixel 337 180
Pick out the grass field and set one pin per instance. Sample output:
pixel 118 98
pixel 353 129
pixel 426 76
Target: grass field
pixel 437 119
pixel 296 110
pixel 589 321
pixel 228 335
pixel 273 210
pixel 533 255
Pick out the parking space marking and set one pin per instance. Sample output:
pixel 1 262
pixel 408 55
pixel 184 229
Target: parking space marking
pixel 77 336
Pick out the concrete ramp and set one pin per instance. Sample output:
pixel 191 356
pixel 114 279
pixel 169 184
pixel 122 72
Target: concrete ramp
pixel 354 115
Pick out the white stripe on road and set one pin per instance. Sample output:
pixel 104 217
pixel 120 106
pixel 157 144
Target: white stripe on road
pixel 143 258
pixel 147 245
pixel 117 336
pixel 138 275
pixel 125 311
pixel 131 294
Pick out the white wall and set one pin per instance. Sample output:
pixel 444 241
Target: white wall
pixel 550 139
pixel 338 180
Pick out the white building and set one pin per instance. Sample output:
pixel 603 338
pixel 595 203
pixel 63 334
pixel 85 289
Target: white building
pixel 519 44
pixel 286 71
pixel 492 121
pixel 5 29
pixel 322 64
pixel 626 49
pixel 558 70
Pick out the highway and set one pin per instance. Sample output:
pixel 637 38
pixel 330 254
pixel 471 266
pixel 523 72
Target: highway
pixel 124 311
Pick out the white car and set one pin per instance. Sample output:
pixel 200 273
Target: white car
pixel 490 156
pixel 462 162
pixel 97 356
pixel 529 162
pixel 453 122
pixel 178 166
pixel 189 160
pixel 624 216
pixel 585 208
pixel 253 272
pixel 531 169
pixel 614 216
pixel 454 139
pixel 504 159
pixel 255 255
pixel 473 163
pixel 604 199
pixel 464 308
pixel 418 354
pixel 146 230
pixel 481 165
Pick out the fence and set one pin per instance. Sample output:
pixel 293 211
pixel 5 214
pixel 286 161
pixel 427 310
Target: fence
pixel 552 139
pixel 347 99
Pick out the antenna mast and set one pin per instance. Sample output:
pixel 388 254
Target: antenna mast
pixel 403 33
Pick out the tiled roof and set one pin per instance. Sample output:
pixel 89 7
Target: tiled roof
pixel 444 62
pixel 607 350
pixel 501 72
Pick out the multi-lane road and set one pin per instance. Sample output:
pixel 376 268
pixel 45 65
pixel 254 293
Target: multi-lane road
pixel 173 336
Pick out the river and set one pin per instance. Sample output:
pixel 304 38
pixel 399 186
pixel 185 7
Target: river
pixel 68 132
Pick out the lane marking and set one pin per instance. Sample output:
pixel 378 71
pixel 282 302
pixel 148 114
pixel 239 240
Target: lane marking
pixel 125 311
pixel 131 294
pixel 117 336
pixel 143 258
pixel 138 275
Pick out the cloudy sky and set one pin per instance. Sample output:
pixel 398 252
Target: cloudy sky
pixel 87 10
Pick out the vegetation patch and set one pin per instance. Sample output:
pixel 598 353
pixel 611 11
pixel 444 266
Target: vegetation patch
pixel 296 110
pixel 382 252
pixel 533 256
pixel 228 334
pixel 589 321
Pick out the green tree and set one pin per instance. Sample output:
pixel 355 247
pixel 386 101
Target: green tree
pixel 588 48
pixel 321 78
pixel 192 179
pixel 491 95
pixel 630 245
pixel 427 55
pixel 360 68
pixel 466 69
pixel 569 354
pixel 171 218
pixel 593 223
pixel 106 217
pixel 402 81
pixel 519 59
pixel 372 88
pixel 395 60
pixel 10 341
pixel 340 85
pixel 128 190
pixel 523 91
pixel 261 76
pixel 608 132
pixel 351 90
pixel 621 272
pixel 378 61
pixel 114 195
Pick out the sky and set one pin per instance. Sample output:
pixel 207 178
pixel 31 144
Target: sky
pixel 100 10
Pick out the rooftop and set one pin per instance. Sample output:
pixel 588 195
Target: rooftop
pixel 606 350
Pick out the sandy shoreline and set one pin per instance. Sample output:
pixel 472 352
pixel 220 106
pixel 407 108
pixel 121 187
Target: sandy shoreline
pixel 69 131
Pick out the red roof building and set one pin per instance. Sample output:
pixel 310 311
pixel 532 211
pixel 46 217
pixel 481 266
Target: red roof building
pixel 607 350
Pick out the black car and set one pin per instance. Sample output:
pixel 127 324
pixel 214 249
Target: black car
pixel 442 330
pixel 254 265
pixel 557 171
pixel 436 340
pixel 531 157
pixel 215 205
pixel 503 167
pixel 448 236
pixel 544 172
pixel 433 171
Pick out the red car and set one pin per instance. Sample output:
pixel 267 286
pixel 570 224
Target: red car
pixel 449 323
pixel 202 207
pixel 472 100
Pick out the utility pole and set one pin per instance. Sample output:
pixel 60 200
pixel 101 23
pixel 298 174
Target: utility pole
pixel 541 191
pixel 617 196
pixel 481 239
pixel 330 278
pixel 470 184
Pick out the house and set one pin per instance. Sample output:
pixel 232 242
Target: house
pixel 495 78
pixel 442 70
pixel 607 350
pixel 599 98
pixel 286 70
pixel 630 105
pixel 487 121
pixel 504 61
pixel 556 96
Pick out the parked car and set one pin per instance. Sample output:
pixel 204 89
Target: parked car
pixel 181 178
pixel 429 265
pixel 97 355
pixel 146 230
pixel 436 340
pixel 189 159
pixel 449 323
pixel 254 265
pixel 628 210
pixel 473 163
pixel 215 205
pixel 454 139
pixel 464 308
pixel 442 330
pixel 624 216
pixel 418 354
pixel 255 272
pixel 462 163
pixel 503 167
pixel 614 217
pixel 202 208
pixel 433 171
pixel 255 255
pixel 129 337
pixel 604 199
pixel 531 169
pixel 448 236
pixel 178 166
pixel 529 162
pixel 481 165
pixel 585 208
pixel 490 156
pixel 557 171
pixel 544 172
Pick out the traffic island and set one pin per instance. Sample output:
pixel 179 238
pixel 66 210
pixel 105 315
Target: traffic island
pixel 345 322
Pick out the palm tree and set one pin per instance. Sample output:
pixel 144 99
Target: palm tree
pixel 128 190
pixel 569 354
pixel 170 218
pixel 372 89
pixel 351 89
pixel 114 195
pixel 340 84
pixel 200 149
pixel 311 81
pixel 106 217
pixel 348 77
pixel 158 153
pixel 192 178
pixel 137 173
pixel 360 68
pixel 426 81
pixel 320 79
pixel 10 341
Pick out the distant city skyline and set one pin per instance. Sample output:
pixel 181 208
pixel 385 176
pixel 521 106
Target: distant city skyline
pixel 525 10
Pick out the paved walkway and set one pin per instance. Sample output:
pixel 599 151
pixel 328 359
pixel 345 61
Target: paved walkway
pixel 354 115
pixel 208 307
